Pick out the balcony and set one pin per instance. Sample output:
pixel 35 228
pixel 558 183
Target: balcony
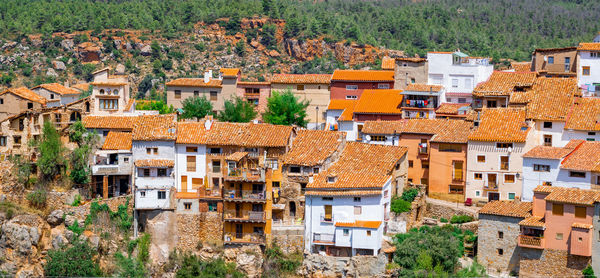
pixel 491 185
pixel 536 242
pixel 504 166
pixel 423 150
pixel 326 218
pixel 245 174
pixel 324 238
pixel 288 222
pixel 244 216
pixel 419 104
pixel 244 238
pixel 245 195
pixel 210 193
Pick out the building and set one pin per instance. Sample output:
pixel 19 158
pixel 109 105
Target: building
pixel 436 151
pixel 576 165
pixel 217 90
pixel 494 155
pixel 110 93
pixel 421 100
pixel 582 120
pixel 102 125
pixel 453 111
pixel 350 84
pixel 409 70
pixel 555 62
pixel 498 235
pixel 588 68
pixel 13 101
pixel 112 166
pixel 458 73
pixel 256 93
pixel 339 115
pixel 348 204
pixel 520 66
pixel 313 88
pixel 497 91
pixel 56 94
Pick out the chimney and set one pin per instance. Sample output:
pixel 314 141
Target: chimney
pixel 207 76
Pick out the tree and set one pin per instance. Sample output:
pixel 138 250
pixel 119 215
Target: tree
pixel 51 161
pixel 196 108
pixel 284 108
pixel 192 266
pixel 144 86
pixel 238 111
pixel 159 105
pixel 75 261
pixel 240 48
pixel 80 156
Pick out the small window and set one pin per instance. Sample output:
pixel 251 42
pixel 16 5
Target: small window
pixel 591 133
pixel 214 95
pixel 115 92
pixel 576 174
pixel 478 176
pixel 410 164
pixel 500 251
pixel 146 172
pixel 212 206
pixel 215 150
pixel 177 94
pixel 330 179
pixel 547 124
pixel 187 206
pixel 541 168
pixel 315 170
pixel 300 87
pixel 511 195
pixel 191 149
pixel 548 140
pixel 191 163
pixel 481 158
pixel 2 140
pixel 357 199
pixel 383 86
pixel 378 138
pixel 142 194
pixel 580 212
pixel 357 210
pixel 462 100
pixel 351 97
pixel 425 164
pixel 559 236
pixel 30 105
pixel 295 169
pixel 51 96
pixel 216 166
pixel 162 195
pixel 585 70
pixel 196 93
pixel 504 145
pixel 346 232
pixel 1 101
pixel 557 209
pixel 161 172
pixel 327 198
pixel 449 148
pixel 101 91
pixel 352 87
pixel 368 233
pixel 148 150
pixel 550 59
pixel 454 83
pixel 126 159
pixel 500 235
pixel 477 193
pixel 509 179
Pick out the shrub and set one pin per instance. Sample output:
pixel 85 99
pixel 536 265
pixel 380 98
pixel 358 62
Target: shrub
pixel 76 229
pixel 37 198
pixel 410 194
pixel 588 272
pixel 443 220
pixel 193 266
pixel 459 219
pixel 399 205
pixel 277 263
pixel 128 267
pixel 77 261
pixel 76 201
pixel 143 244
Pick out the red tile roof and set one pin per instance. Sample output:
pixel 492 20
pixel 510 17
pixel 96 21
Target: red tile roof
pixel 81 86
pixel 501 125
pixel 359 224
pixel 155 128
pixel 567 195
pixel 191 133
pixel 195 82
pixel 230 72
pixel 313 147
pixel 503 83
pixel 521 66
pixel 347 105
pixel 379 102
pixel 363 75
pixel 584 115
pixel 507 208
pixel 117 141
pixel 110 122
pixel 585 157
pixel 301 78
pixel 155 163
pixel 388 63
pixel 442 130
pixel 58 89
pixel 450 108
pixel 25 93
pixel 411 59
pixel 417 87
pixel 589 46
pixel 249 135
pixel 551 98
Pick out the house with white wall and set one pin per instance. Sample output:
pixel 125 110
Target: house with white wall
pixel 339 116
pixel 110 93
pixel 112 166
pixel 494 155
pixel 348 204
pixel 421 100
pixel 57 94
pixel 582 121
pixel 588 68
pixel 458 73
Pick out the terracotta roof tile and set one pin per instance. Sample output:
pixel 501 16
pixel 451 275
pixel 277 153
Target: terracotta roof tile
pixel 551 98
pixel 301 78
pixel 110 122
pixel 584 115
pixel 158 163
pixel 236 156
pixel 568 48
pixel 249 83
pixel 117 141
pixel 379 102
pixel 81 86
pixel 417 87
pixel 25 93
pixel 59 89
pixel 582 226
pixel 543 189
pixel 360 166
pixel 442 130
pixel 546 152
pixel 520 97
pixel 155 128
pixel 388 63
pixel 195 82
pixel 108 83
pixel 503 83
pixel 507 208
pixel 343 192
pixel 450 108
pixel 589 46
pixel 341 104
pixel 533 221
pixel 359 224
pixel 411 59
pixel 363 75
pixel 501 125
pixel 313 147
pixel 585 157
pixel 191 133
pixel 521 66
pixel 249 135
pixel 230 72
pixel 566 195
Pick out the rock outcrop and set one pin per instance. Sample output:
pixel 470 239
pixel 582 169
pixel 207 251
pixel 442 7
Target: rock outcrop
pixel 315 265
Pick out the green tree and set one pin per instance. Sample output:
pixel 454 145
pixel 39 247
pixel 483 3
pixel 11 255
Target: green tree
pixel 196 108
pixel 159 105
pixel 155 50
pixel 192 266
pixel 284 108
pixel 87 92
pixel 237 110
pixel 268 36
pixel 76 261
pixel 240 48
pixel 80 156
pixel 51 161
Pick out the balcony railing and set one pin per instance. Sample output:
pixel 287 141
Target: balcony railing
pixel 288 222
pixel 213 192
pixel 326 238
pixel 458 179
pixel 419 104
pixel 423 150
pixel 245 215
pixel 245 194
pixel 244 238
pixel 531 241
pixel 326 219
pixel 491 185
pixel 245 174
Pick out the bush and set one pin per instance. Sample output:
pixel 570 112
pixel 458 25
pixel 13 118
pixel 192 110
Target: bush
pixel 399 205
pixel 76 201
pixel 588 272
pixel 459 219
pixel 37 198
pixel 193 266
pixel 443 220
pixel 76 229
pixel 410 194
pixel 277 263
pixel 76 261
pixel 128 267
pixel 200 47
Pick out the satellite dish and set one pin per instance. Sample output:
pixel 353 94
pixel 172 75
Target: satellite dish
pixel 368 137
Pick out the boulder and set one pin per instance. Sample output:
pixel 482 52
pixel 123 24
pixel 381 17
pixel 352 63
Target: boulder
pixel 273 53
pixel 51 72
pixel 58 65
pixel 67 44
pixel 128 46
pixel 21 234
pixel 55 217
pixel 146 50
pixel 9 45
pixel 254 44
pixel 120 69
pixel 70 219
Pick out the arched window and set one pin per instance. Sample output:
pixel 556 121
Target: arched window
pixel 115 92
pixel 101 91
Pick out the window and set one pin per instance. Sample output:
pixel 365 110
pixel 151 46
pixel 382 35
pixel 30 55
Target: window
pixel 462 100
pixel 454 83
pixel 509 179
pixel 450 148
pixel 162 195
pixel 275 184
pixel 500 234
pixel 196 93
pixel 1 101
pixel 212 206
pixel 425 164
pixel 511 195
pixel 585 70
pixel 477 193
pixel 351 97
pixel 357 199
pixel 478 176
pixel 500 251
pixel 468 83
pixel 386 193
pixel 592 133
pixel 346 232
pixel 575 174
pixel 580 212
pixel 145 172
pixel 109 104
pixel 548 140
pixel 216 182
pixel 161 172
pixel 2 140
pixel 378 138
pixel 491 104
pixel 410 164
pixel 51 96
pixel 413 81
pixel 187 206
pixel 448 99
pixel 547 124
pixel 330 179
pixel 541 168
pixel 300 87
pixel 315 170
pixel 191 163
pixel 383 86
pixel 328 213
pixel 213 95
pixel 559 236
pixel 302 187
pixel 351 87
pixel 368 233
pixel 115 92
pixel 481 158
pixel 177 94
pixel 550 59
pixel 216 166
pixel 593 54
pixel 215 150
pixel 295 169
pixel 191 149
pixel 30 105
pixel 557 209
pixel 504 145
pixel 126 159
pixel 142 194
pixel 101 91
pixel 327 198
pixel 357 210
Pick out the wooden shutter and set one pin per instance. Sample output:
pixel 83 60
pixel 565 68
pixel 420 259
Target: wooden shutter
pixel 183 183
pixel 191 163
pixel 458 170
pixel 197 183
pixel 328 212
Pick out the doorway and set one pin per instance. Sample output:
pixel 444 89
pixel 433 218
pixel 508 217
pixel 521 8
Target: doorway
pixel 292 209
pixel 493 196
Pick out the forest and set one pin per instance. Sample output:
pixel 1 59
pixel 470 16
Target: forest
pixel 496 28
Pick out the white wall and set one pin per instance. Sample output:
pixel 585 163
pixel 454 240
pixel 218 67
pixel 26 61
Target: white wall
pixel 350 128
pixel 593 62
pixel 181 165
pixel 150 200
pixel 531 178
pixel 558 137
pixel 467 74
pixel 152 184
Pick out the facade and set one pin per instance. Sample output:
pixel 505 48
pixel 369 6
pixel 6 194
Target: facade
pixel 453 111
pixel 212 89
pixel 339 116
pixel 495 154
pixel 13 101
pixel 347 205
pixel 582 122
pixel 409 70
pixel 110 93
pixel 457 73
pixel 350 84
pixel 555 62
pixel 421 100
pixel 313 88
pixel 503 88
pixel 588 68
pixel 112 166
pixel 56 94
pixel 256 93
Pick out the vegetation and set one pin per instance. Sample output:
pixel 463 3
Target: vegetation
pixel 196 108
pixel 123 220
pixel 192 266
pixel 284 108
pixel 86 141
pixel 22 170
pixel 51 161
pixel 277 264
pixel 37 198
pixel 459 219
pixel 588 272
pixel 79 260
pixel 159 105
pixel 237 110
pixel 403 203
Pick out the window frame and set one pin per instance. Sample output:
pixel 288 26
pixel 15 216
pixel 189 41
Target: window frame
pixel 586 70
pixel 351 87
pixel 541 168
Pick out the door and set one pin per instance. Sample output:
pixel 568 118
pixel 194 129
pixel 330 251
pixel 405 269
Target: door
pixel 184 184
pixel 239 190
pixel 292 209
pixel 238 211
pixel 239 231
pixel 492 181
pixel 493 196
pixel 458 171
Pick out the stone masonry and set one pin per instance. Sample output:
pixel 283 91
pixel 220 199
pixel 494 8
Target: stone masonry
pixel 553 263
pixel 188 230
pixel 211 227
pixel 497 243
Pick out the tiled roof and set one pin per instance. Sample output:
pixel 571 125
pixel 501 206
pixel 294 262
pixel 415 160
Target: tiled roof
pixel 582 226
pixel 507 208
pixel 25 93
pixel 533 221
pixel 301 78
pixel 359 224
pixel 442 130
pixel 379 102
pixel 108 83
pixel 100 70
pixel 110 122
pixel 501 125
pixel 250 83
pixel 341 104
pixel 503 83
pixel 312 147
pixel 573 196
pixel 411 59
pixel 155 128
pixel 236 156
pixel 195 82
pixel 249 134
pixel 551 98
pixel 230 72
pixel 543 189
pixel 191 133
pixel 117 141
pixel 450 108
pixel 585 157
pixel 521 66
pixel 520 97
pixel 363 75
pixel 59 89
pixel 360 167
pixel 343 192
pixel 546 152
pixel 130 103
pixel 418 87
pixel 159 163
pixel 388 63
pixel 568 48
pixel 589 46
pixel 584 115
pixel 81 86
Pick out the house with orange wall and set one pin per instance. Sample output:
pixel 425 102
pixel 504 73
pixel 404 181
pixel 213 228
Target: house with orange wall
pixel 350 84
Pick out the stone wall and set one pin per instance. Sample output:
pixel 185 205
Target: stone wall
pixel 438 211
pixel 552 263
pixel 210 227
pixel 315 265
pixel 289 238
pixel 188 231
pixel 489 243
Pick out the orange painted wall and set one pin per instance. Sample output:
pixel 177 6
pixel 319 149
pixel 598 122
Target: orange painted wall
pixel 440 168
pixel 412 141
pixel 562 224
